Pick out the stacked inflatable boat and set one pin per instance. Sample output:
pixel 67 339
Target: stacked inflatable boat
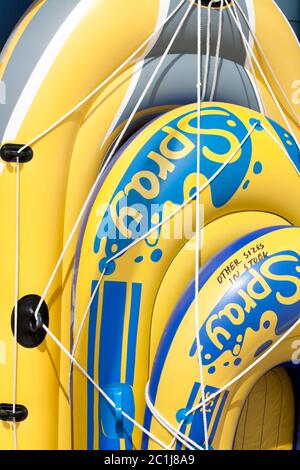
pixel 131 319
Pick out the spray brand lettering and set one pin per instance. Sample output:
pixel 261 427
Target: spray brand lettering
pixel 161 168
pixel 270 290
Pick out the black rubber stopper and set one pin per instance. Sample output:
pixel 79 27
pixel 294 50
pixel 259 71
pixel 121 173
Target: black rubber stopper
pixel 30 332
pixel 7 414
pixel 9 153
pixel 216 4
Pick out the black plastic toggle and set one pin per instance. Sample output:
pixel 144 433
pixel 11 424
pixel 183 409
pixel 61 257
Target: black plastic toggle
pixel 215 4
pixel 30 331
pixel 7 414
pixel 9 153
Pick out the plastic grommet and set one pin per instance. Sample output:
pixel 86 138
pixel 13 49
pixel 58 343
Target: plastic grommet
pixel 10 153
pixel 30 331
pixel 7 412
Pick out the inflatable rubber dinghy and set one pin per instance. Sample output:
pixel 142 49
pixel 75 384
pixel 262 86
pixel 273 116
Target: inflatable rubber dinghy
pixel 157 170
pixel 133 110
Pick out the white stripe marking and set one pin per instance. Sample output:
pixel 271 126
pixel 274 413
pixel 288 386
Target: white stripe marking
pixel 42 68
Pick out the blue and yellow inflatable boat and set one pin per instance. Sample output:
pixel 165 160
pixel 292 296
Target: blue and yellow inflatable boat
pixel 150 255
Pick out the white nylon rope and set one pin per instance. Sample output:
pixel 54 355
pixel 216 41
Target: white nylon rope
pixel 280 145
pixel 249 368
pixel 171 429
pixel 17 256
pixel 269 350
pixel 207 51
pixel 182 438
pixel 272 72
pixel 155 412
pixel 228 384
pixel 49 129
pixel 208 182
pixel 110 156
pixel 235 379
pixel 102 393
pixel 86 313
pixel 248 58
pixel 262 74
pixel 191 198
pixel 154 229
pixel 167 425
pixel 236 4
pixel 198 225
pixel 82 211
pixel 218 49
pixel 17 241
pixel 105 82
pixel 165 220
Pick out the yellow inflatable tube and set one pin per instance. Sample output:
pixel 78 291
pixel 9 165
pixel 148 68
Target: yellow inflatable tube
pixel 45 78
pixel 281 78
pixel 158 167
pixel 58 76
pixel 232 227
pixel 241 320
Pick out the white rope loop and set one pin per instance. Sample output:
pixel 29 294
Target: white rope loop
pixel 190 199
pixel 218 50
pixel 158 225
pixel 163 421
pixel 100 174
pixel 248 369
pixel 207 51
pixel 81 326
pixel 17 262
pixel 198 226
pixel 178 435
pixel 156 414
pixel 257 42
pixel 166 424
pixel 268 351
pixel 246 42
pixel 248 59
pixel 100 390
pixel 110 156
pixel 105 82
